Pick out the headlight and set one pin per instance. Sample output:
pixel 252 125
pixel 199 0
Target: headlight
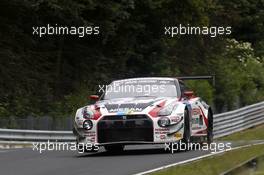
pixel 167 110
pixel 87 124
pixel 87 114
pixel 164 121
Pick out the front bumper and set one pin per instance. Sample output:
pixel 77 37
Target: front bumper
pixel 133 128
pixel 128 129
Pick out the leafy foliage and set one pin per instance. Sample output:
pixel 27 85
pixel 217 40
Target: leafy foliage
pixel 53 75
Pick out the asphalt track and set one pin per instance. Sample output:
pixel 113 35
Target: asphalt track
pixel 134 159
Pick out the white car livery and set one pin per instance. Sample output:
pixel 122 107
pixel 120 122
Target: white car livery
pixel 141 111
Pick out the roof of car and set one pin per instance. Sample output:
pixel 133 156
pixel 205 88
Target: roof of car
pixel 148 78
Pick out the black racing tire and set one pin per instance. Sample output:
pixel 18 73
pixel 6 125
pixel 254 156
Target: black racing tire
pixel 210 135
pixel 74 131
pixel 114 148
pixel 187 129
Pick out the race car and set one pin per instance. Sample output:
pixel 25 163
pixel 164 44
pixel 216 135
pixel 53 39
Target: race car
pixel 142 111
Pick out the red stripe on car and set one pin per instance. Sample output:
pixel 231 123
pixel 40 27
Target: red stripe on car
pixel 205 119
pixel 154 112
pixel 97 113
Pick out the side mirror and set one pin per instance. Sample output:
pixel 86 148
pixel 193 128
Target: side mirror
pixel 94 97
pixel 189 94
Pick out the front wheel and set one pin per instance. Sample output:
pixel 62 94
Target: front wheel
pixel 210 128
pixel 187 130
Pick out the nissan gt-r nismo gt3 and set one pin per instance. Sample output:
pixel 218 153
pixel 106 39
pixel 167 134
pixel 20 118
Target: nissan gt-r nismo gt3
pixel 143 110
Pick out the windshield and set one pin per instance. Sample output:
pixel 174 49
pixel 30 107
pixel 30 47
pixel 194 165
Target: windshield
pixel 140 88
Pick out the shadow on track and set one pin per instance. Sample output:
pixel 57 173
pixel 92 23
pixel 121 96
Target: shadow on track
pixel 135 152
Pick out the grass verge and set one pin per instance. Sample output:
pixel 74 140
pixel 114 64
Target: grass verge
pixel 216 164
pixel 256 133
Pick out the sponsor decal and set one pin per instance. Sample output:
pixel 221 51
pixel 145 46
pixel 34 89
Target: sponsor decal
pixel 162 129
pixel 163 132
pixel 195 120
pixel 178 135
pixel 175 119
pixel 162 137
pixel 90 133
pixel 130 111
pixel 196 111
pixel 125 110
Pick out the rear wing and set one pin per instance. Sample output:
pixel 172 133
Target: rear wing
pixel 205 77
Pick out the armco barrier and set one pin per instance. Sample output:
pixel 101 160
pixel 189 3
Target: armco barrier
pixel 35 135
pixel 238 120
pixel 224 124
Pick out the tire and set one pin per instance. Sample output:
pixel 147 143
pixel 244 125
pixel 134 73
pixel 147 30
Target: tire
pixel 187 131
pixel 114 148
pixel 210 128
pixel 74 131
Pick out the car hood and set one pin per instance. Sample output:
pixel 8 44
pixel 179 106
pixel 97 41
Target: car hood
pixel 135 104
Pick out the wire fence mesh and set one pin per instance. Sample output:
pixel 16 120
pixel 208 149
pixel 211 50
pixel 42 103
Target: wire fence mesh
pixel 37 123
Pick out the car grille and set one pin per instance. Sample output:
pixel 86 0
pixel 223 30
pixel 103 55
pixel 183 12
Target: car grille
pixel 118 128
pixel 122 117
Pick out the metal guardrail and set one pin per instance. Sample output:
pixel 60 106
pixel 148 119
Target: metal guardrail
pixel 224 124
pixel 35 135
pixel 234 121
pixel 37 123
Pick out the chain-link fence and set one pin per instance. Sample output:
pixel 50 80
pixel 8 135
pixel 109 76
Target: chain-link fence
pixel 37 123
